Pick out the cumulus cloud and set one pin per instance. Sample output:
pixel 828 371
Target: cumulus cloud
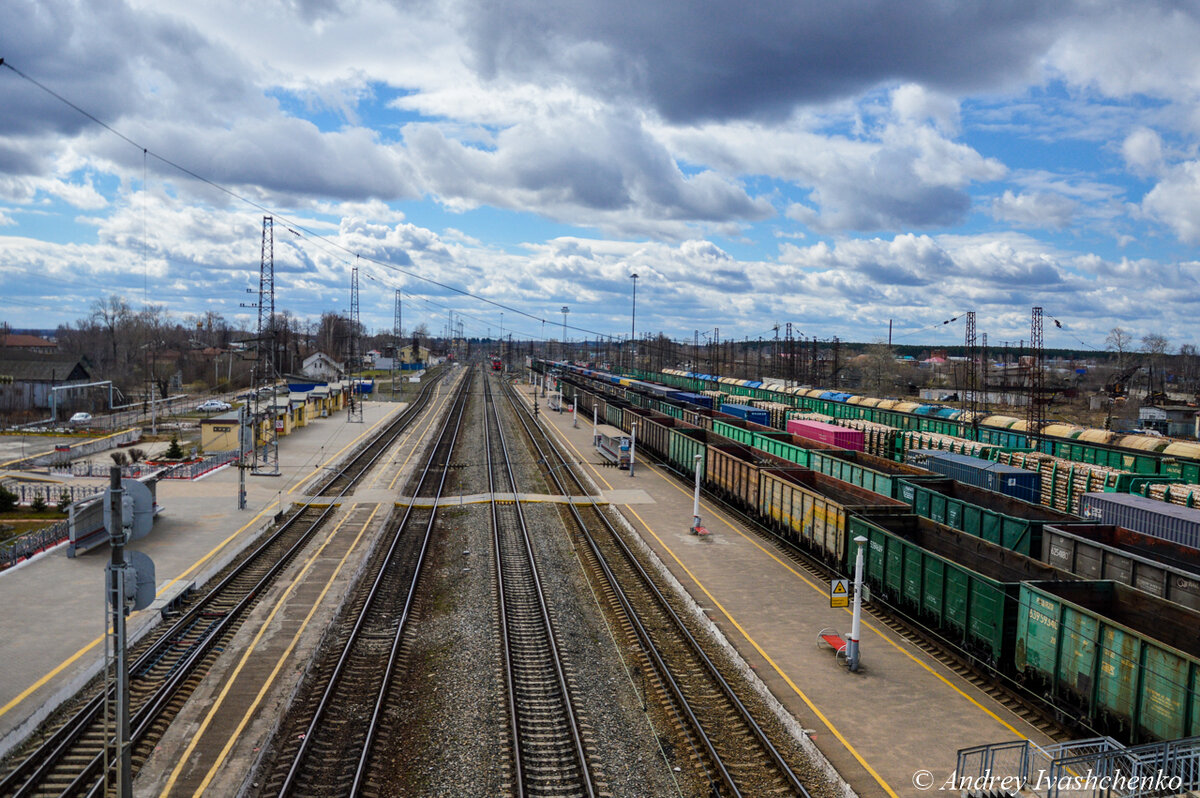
pixel 1175 201
pixel 1143 151
pixel 1036 209
pixel 605 171
pixel 721 61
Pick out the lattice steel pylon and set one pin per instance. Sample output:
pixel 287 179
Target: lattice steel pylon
pixel 354 358
pixel 264 438
pixel 972 386
pixel 1036 417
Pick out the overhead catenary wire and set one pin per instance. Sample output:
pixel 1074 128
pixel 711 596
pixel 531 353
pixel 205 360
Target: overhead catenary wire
pixel 293 226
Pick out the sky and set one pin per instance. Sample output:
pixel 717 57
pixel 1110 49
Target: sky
pixel 838 166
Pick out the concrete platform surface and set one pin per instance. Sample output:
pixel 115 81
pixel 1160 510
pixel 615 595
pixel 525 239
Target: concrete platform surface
pixel 903 714
pixel 51 637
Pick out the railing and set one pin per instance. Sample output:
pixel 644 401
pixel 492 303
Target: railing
pixel 24 546
pixel 87 468
pixel 52 493
pixel 198 468
pixel 1098 767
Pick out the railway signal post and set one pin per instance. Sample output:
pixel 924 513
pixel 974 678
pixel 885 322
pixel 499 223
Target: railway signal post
pixel 856 622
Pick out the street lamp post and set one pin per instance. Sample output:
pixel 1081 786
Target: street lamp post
pixel 633 322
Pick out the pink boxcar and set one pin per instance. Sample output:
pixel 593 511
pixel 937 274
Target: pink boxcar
pixel 831 434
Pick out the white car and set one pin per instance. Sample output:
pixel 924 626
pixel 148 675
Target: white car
pixel 214 406
pixel 81 418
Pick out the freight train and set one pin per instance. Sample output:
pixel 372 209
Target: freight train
pixel 982 569
pixel 1138 453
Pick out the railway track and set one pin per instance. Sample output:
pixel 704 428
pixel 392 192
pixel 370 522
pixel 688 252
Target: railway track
pixel 733 749
pixel 346 710
pixel 548 742
pixel 72 756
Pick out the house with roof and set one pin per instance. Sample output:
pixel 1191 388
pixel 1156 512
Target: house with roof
pixel 26 378
pixel 27 343
pixel 320 366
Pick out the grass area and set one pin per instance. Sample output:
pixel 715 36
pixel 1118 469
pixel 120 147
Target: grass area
pixel 22 520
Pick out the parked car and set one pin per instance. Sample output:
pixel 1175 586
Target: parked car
pixel 81 418
pixel 214 406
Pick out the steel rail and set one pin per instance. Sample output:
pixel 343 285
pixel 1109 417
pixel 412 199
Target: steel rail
pixel 302 752
pixel 760 735
pixel 27 776
pixel 544 612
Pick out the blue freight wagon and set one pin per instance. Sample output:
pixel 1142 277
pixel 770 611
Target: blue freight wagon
pixel 1020 483
pixel 695 399
pixel 748 413
pixel 1145 515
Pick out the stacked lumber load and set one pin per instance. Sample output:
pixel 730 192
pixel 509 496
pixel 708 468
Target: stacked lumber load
pixel 717 396
pixel 778 410
pixel 1063 481
pixel 1184 495
pixel 878 439
pixel 915 439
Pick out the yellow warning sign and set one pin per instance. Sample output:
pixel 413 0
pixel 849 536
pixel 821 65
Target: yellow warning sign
pixel 839 592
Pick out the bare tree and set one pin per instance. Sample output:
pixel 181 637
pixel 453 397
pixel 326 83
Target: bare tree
pixel 1119 341
pixel 112 315
pixel 1155 347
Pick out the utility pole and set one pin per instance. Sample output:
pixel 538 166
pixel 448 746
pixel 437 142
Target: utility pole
pixel 633 322
pixel 397 371
pixel 265 369
pixel 1036 418
pixel 116 594
pixel 565 311
pixel 972 374
pixel 355 413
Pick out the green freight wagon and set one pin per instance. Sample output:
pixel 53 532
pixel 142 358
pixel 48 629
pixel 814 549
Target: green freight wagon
pixel 1127 662
pixel 965 587
pixel 992 516
pixel 615 413
pixel 685 444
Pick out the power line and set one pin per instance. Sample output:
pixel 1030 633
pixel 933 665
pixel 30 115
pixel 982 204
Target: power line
pixel 292 225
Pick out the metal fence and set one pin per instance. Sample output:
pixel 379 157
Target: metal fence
pixel 1098 767
pixel 26 545
pixel 52 494
pixel 211 462
pixel 86 468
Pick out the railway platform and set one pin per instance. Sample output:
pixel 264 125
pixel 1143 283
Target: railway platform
pixel 52 633
pixel 892 729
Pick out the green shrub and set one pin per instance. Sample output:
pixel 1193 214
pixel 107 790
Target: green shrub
pixel 8 500
pixel 38 504
pixel 64 501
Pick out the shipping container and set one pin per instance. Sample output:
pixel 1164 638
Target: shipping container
pixel 832 434
pixel 996 518
pixel 748 413
pixel 1099 551
pixel 963 586
pixel 695 399
pixel 1019 483
pixel 1148 516
pixel 1125 662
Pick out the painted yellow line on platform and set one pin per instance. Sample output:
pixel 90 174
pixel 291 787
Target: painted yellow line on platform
pixel 803 697
pixel 28 691
pixel 821 589
pixel 212 712
pixel 339 452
